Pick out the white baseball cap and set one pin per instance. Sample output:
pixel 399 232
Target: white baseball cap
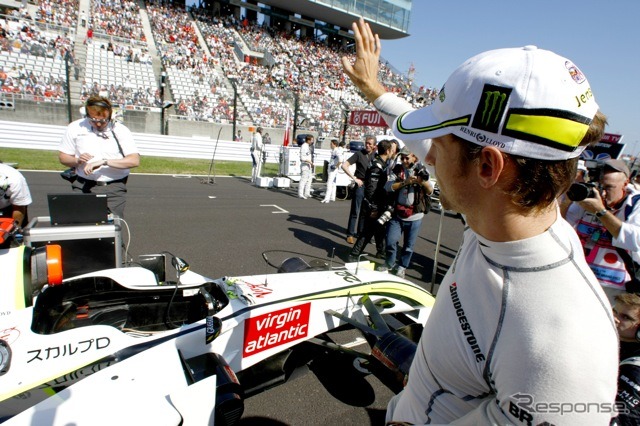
pixel 525 101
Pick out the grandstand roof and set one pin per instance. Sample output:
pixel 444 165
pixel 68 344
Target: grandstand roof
pixel 10 3
pixel 333 16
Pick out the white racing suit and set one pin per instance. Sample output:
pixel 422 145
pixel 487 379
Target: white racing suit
pixel 521 333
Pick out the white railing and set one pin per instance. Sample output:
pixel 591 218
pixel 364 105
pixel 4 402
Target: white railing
pixel 47 137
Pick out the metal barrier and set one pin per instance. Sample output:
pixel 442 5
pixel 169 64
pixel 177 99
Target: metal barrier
pixel 47 137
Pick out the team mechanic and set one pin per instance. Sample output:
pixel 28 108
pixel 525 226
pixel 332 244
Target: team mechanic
pixel 102 152
pixel 15 196
pixel 521 331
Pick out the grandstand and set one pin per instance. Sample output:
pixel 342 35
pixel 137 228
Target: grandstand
pixel 179 71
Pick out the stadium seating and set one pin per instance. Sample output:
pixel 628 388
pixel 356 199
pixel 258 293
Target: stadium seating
pixel 201 56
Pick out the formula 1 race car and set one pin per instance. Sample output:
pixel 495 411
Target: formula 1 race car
pixel 140 345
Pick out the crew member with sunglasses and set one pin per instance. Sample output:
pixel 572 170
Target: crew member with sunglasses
pixel 102 151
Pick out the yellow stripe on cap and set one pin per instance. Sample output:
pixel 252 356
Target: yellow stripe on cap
pixel 462 121
pixel 562 130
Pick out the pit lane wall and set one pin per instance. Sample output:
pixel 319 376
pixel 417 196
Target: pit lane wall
pixel 23 135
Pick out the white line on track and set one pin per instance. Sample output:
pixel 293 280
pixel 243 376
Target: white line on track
pixel 281 210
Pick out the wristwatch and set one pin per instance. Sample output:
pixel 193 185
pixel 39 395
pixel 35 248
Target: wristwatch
pixel 601 213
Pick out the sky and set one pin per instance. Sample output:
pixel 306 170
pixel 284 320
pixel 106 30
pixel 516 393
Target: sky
pixel 601 37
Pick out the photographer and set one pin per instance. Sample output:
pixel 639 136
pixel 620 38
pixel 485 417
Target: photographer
pixel 608 224
pixel 375 203
pixel 409 185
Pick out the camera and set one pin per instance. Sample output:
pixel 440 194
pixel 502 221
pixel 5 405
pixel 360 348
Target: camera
pixel 386 216
pixel 421 172
pixel 69 175
pixel 580 191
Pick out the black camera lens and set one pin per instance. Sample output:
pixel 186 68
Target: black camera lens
pixel 422 173
pixel 580 191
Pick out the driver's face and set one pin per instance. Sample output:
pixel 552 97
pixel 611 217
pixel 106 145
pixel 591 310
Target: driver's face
pixel 98 117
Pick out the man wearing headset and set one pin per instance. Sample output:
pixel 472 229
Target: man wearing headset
pixel 626 313
pixel 102 152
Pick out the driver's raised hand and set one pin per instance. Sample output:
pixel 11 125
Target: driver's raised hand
pixel 364 71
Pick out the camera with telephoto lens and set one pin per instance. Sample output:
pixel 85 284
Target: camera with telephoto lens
pixel 580 191
pixel 385 216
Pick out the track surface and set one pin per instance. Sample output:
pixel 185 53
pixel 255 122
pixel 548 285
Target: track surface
pixel 222 228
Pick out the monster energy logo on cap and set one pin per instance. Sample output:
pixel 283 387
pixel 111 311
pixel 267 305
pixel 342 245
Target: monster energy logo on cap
pixel 491 108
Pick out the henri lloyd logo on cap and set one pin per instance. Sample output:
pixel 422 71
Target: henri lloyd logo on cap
pixel 491 108
pixel 489 114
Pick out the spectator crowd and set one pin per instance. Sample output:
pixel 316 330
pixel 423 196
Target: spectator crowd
pixel 279 67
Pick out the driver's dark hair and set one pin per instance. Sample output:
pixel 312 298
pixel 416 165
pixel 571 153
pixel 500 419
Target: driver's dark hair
pixel 538 183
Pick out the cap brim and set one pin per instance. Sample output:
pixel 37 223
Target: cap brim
pixel 420 124
pixel 416 128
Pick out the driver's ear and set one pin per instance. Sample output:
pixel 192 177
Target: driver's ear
pixel 491 165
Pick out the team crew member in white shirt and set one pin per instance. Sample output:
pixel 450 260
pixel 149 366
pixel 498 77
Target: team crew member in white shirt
pixel 520 327
pixel 15 196
pixel 335 164
pixel 306 168
pixel 102 152
pixel 256 153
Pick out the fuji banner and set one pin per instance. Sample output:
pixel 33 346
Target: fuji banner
pixel 366 118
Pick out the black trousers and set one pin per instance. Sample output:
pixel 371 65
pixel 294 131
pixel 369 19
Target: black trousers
pixel 371 229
